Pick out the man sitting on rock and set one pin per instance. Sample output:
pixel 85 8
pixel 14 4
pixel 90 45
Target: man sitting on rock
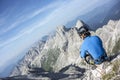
pixel 92 50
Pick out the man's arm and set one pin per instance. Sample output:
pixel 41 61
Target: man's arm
pixel 82 53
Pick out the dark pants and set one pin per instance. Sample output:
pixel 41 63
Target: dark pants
pixel 89 59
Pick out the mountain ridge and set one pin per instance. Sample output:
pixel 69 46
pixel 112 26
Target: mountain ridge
pixel 62 50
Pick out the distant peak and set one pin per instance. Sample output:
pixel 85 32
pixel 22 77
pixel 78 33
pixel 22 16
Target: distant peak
pixel 80 23
pixel 62 29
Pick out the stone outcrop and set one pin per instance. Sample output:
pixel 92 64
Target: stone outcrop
pixel 63 49
pixel 110 35
pixel 23 66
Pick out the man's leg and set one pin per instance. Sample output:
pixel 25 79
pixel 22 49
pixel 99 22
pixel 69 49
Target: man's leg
pixel 90 61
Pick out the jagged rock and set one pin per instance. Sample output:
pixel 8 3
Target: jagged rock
pixel 23 66
pixel 110 35
pixel 63 49
pixel 79 24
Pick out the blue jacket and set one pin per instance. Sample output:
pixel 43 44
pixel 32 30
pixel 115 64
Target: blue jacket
pixel 92 45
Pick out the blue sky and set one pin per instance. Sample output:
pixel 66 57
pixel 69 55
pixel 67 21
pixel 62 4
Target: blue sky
pixel 23 22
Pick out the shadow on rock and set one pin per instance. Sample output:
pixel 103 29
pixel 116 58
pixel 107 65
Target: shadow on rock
pixel 113 56
pixel 68 72
pixel 73 71
pixel 36 72
pixel 82 70
pixel 20 77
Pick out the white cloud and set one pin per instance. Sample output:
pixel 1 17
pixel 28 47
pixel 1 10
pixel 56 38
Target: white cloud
pixel 60 12
pixel 5 43
pixel 26 16
pixel 2 20
pixel 24 32
pixel 57 17
pixel 27 29
pixel 68 11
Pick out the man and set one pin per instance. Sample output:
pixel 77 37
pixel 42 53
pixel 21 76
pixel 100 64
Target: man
pixel 92 50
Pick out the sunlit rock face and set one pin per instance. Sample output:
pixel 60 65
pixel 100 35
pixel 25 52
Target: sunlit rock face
pixel 62 50
pixel 110 35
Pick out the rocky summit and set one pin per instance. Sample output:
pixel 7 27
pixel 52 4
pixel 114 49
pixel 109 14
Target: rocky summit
pixel 58 58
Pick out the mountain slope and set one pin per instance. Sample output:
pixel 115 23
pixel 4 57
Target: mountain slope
pixel 59 56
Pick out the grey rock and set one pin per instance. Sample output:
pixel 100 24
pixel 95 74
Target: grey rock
pixel 62 50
